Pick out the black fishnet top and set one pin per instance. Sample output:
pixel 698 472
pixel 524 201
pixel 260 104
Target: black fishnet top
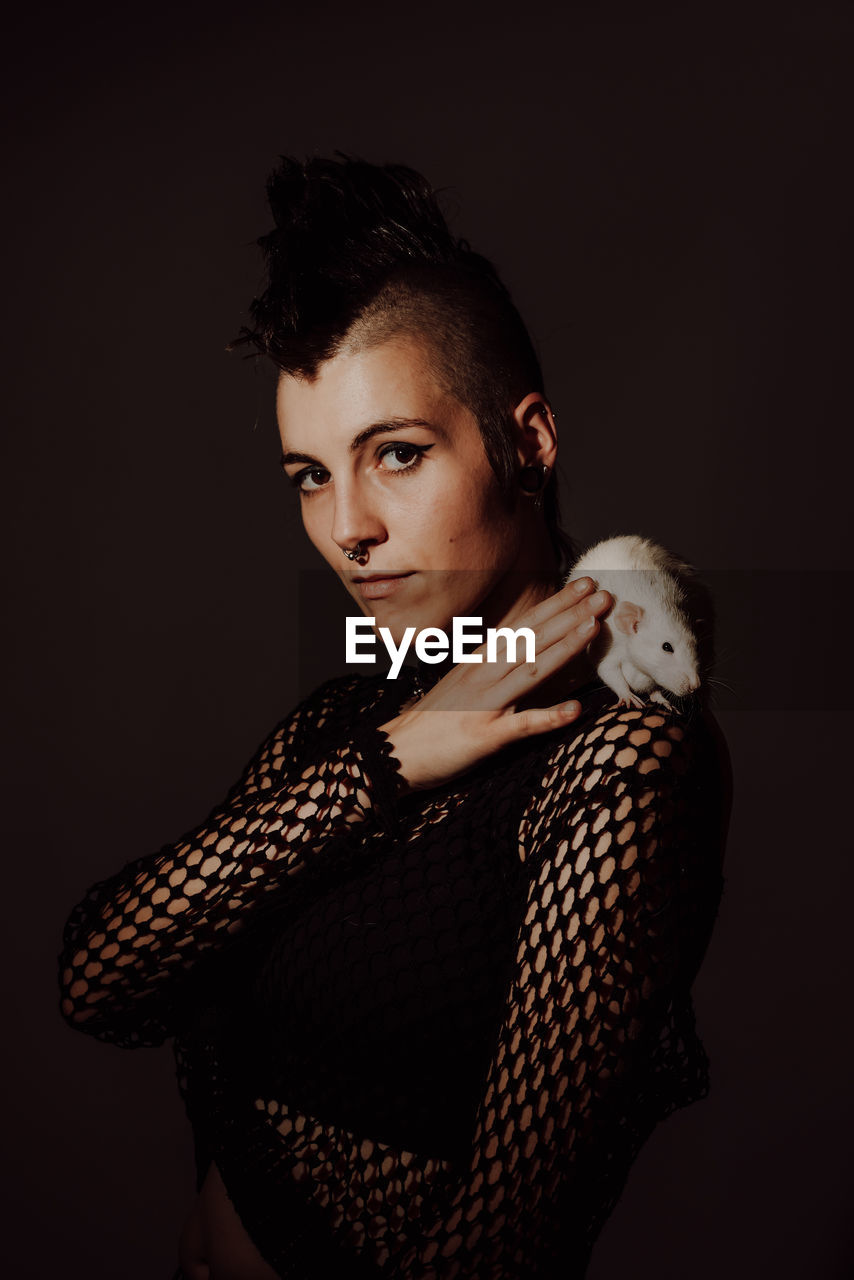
pixel 423 1035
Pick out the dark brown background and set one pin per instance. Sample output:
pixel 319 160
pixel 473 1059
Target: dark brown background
pixel 666 189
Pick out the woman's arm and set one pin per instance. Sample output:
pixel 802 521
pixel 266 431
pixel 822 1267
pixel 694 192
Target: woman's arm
pixel 129 946
pixel 130 943
pixel 620 840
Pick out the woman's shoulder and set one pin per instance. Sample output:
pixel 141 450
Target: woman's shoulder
pixel 612 750
pixel 640 736
pixel 639 780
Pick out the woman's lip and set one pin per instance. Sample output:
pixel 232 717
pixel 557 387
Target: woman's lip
pixel 378 585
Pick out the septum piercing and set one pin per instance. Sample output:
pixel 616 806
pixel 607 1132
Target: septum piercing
pixel 355 553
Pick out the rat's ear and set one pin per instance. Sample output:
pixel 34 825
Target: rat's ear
pixel 626 617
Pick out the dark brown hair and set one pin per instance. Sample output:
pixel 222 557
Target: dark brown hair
pixel 362 252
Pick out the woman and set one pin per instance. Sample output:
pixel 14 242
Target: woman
pixel 428 966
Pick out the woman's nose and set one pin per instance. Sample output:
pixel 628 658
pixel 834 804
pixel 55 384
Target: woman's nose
pixel 355 520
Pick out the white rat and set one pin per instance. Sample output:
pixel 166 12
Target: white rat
pixel 646 640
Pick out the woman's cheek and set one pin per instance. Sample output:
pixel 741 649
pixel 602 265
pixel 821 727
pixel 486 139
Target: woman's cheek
pixel 458 516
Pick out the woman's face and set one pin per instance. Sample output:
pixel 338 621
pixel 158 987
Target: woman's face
pixel 381 455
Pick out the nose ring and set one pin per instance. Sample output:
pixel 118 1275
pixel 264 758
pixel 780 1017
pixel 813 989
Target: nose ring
pixel 355 553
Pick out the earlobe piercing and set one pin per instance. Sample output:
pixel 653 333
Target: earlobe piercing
pixel 532 479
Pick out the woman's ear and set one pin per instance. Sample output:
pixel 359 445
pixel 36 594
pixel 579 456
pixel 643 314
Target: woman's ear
pixel 536 433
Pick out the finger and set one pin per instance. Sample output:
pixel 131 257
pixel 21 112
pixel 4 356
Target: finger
pixel 569 595
pixel 573 620
pixel 559 637
pixel 569 632
pixel 554 606
pixel 517 680
pixel 550 631
pixel 549 621
pixel 534 720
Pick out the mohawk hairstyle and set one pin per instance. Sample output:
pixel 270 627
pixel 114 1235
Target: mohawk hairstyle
pixel 360 253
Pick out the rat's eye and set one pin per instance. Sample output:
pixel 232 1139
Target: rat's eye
pixel 667 647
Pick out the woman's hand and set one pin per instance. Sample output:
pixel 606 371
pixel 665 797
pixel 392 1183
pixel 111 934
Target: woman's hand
pixel 472 711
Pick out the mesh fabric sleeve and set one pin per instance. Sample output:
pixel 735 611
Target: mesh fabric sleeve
pixel 130 945
pixel 618 840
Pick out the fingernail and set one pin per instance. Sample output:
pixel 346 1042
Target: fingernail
pixel 582 585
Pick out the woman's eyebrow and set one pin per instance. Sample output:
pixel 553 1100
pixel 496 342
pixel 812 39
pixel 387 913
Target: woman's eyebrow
pixel 362 437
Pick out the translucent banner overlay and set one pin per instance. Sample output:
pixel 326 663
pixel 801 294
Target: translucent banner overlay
pixel 765 638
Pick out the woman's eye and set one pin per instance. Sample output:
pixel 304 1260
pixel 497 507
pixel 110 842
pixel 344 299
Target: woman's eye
pixel 405 456
pixel 311 480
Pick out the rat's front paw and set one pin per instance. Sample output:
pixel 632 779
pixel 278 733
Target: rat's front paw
pixel 632 700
